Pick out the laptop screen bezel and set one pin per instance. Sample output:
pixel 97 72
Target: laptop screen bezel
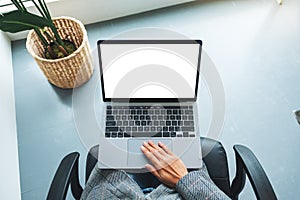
pixel 99 42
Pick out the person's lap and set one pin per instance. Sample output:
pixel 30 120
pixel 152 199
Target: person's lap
pixel 177 182
pixel 117 184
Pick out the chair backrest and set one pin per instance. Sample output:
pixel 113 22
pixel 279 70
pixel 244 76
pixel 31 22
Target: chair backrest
pixel 214 157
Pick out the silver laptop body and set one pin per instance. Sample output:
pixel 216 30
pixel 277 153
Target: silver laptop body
pixel 149 90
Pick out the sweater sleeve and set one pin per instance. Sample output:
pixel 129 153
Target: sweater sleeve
pixel 198 185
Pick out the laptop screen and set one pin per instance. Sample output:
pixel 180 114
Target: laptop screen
pixel 148 70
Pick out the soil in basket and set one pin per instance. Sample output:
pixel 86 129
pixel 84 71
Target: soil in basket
pixel 54 51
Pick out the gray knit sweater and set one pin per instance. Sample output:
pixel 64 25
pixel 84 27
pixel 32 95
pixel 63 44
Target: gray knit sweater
pixel 117 184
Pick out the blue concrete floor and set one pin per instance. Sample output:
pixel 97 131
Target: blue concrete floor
pixel 255 46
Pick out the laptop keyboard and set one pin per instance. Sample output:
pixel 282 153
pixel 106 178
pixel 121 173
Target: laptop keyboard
pixel 149 121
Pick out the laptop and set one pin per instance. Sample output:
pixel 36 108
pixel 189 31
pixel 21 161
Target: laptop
pixel 149 90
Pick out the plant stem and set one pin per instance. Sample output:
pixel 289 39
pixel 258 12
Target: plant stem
pixel 55 32
pixel 52 54
pixel 62 46
pixel 39 9
pixel 48 36
pixel 44 41
pixel 47 15
pixel 51 38
pixel 16 3
pixel 44 8
pixel 58 38
pixel 22 5
pixel 62 49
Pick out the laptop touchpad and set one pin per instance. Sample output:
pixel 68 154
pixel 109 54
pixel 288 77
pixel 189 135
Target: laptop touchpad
pixel 136 158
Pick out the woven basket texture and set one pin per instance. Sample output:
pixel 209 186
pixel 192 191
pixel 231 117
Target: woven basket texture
pixel 73 70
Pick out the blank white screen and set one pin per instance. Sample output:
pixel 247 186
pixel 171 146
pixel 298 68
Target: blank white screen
pixel 149 70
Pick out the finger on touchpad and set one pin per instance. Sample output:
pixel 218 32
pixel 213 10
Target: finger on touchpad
pixel 136 159
pixel 134 145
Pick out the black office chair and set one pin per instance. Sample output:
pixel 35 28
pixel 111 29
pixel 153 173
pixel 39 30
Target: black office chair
pixel 214 157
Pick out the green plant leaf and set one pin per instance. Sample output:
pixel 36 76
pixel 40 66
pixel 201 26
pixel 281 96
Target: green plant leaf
pixel 16 21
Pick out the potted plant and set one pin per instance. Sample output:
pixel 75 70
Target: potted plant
pixel 59 46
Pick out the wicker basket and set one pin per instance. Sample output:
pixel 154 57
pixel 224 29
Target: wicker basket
pixel 73 70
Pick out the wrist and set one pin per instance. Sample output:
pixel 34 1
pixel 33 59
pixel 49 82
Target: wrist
pixel 181 176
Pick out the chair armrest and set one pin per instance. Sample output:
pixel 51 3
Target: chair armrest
pixel 66 174
pixel 247 163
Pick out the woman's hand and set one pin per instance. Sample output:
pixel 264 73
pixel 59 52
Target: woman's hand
pixel 166 166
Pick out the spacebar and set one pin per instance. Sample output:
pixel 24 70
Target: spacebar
pixel 142 134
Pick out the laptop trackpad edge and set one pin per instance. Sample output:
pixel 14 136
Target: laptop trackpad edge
pixel 136 158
